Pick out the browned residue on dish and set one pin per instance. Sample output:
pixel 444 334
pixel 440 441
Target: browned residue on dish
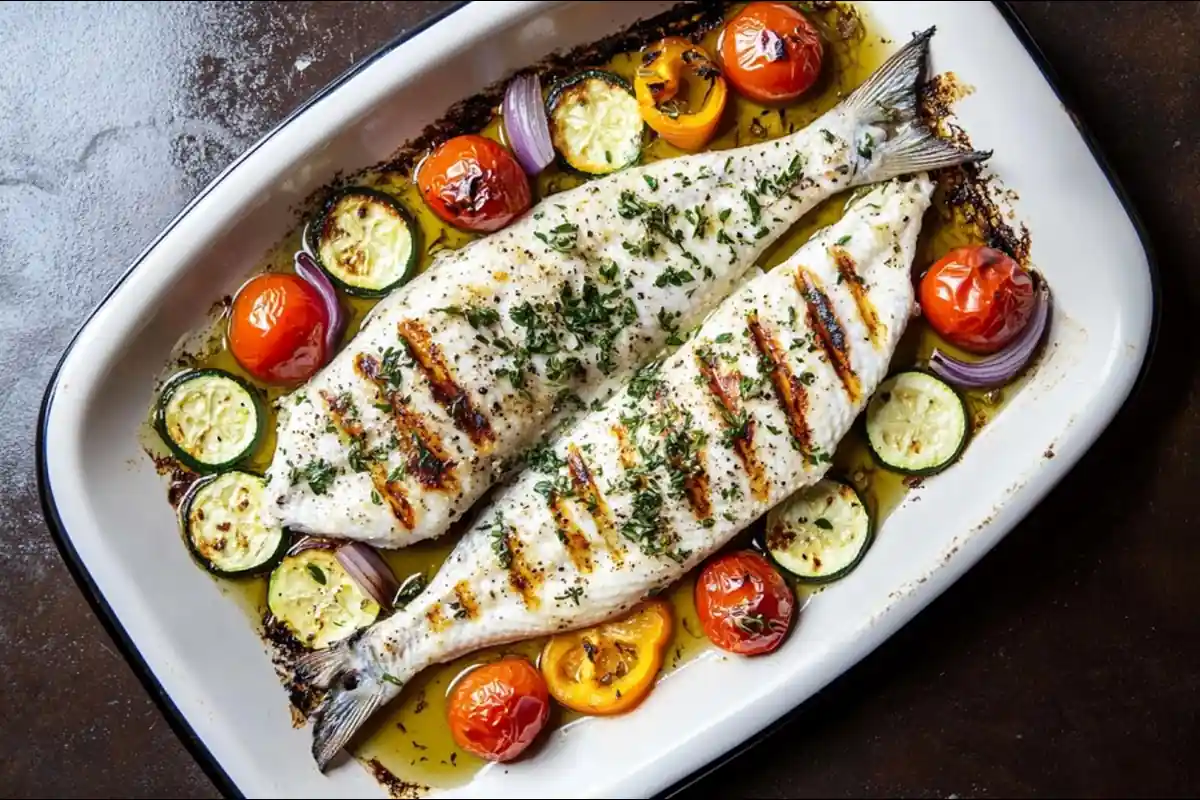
pixel 965 190
pixel 396 787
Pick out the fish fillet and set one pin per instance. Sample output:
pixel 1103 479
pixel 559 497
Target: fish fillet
pixel 693 450
pixel 455 376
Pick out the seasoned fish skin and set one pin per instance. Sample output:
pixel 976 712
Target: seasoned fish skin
pixel 575 546
pixel 456 375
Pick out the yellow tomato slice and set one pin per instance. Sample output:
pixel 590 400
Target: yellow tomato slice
pixel 609 668
pixel 680 92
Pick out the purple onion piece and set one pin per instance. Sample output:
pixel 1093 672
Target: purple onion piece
pixel 525 121
pixel 312 543
pixel 999 368
pixel 306 268
pixel 370 571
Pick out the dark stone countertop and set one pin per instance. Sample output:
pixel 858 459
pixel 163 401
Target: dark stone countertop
pixel 1066 663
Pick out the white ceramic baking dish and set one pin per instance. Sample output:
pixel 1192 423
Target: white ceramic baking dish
pixel 105 503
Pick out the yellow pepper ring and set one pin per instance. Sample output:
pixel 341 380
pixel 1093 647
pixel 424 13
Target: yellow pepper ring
pixel 658 83
pixel 608 668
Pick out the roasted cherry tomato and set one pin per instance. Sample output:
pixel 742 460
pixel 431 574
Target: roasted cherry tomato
pixel 977 298
pixel 474 183
pixel 498 709
pixel 277 328
pixel 680 93
pixel 744 604
pixel 771 52
pixel 609 668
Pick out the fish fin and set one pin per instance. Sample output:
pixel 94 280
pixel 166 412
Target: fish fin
pixel 887 103
pixel 344 711
pixel 915 150
pixel 320 668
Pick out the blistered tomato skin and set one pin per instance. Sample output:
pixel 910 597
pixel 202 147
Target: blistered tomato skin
pixel 771 53
pixel 277 329
pixel 977 298
pixel 497 710
pixel 474 183
pixel 745 606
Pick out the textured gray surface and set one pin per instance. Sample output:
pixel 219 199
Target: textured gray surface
pixel 1064 664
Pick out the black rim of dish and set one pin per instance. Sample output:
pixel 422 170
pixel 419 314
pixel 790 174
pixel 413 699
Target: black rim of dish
pixel 125 644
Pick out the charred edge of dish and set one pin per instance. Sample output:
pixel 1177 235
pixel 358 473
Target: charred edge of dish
pixel 571 536
pixel 285 650
pixel 521 578
pixel 789 391
pixel 397 788
pixel 964 189
pixel 467 603
pixel 448 394
pixel 721 389
pixel 427 459
pixel 849 277
pixel 586 488
pixel 830 335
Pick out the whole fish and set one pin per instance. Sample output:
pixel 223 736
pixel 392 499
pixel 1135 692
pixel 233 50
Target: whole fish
pixel 457 375
pixel 682 459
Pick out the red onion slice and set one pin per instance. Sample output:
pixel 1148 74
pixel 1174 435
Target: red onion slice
pixel 306 268
pixel 525 121
pixel 312 543
pixel 370 571
pixel 999 368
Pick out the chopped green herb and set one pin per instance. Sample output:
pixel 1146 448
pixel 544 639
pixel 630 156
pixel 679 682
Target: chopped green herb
pixel 476 316
pixel 724 338
pixel 755 208
pixel 317 573
pixel 823 524
pixel 318 474
pixel 652 182
pixel 842 241
pixel 573 594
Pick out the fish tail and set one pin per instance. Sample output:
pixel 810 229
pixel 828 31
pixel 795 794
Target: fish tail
pixel 352 696
pixel 891 135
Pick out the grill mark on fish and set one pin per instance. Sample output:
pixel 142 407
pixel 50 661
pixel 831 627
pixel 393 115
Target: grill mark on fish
pixel 587 491
pixel 391 491
pixel 726 394
pixel 789 390
pixel 848 276
pixel 521 577
pixel 436 619
pixel 625 451
pixel 468 606
pixel 830 335
pixel 695 483
pixel 696 487
pixel 449 395
pixel 570 535
pixel 426 457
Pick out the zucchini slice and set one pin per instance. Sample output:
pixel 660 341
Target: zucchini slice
pixel 916 423
pixel 595 123
pixel 210 419
pixel 317 600
pixel 226 529
pixel 366 242
pixel 820 533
